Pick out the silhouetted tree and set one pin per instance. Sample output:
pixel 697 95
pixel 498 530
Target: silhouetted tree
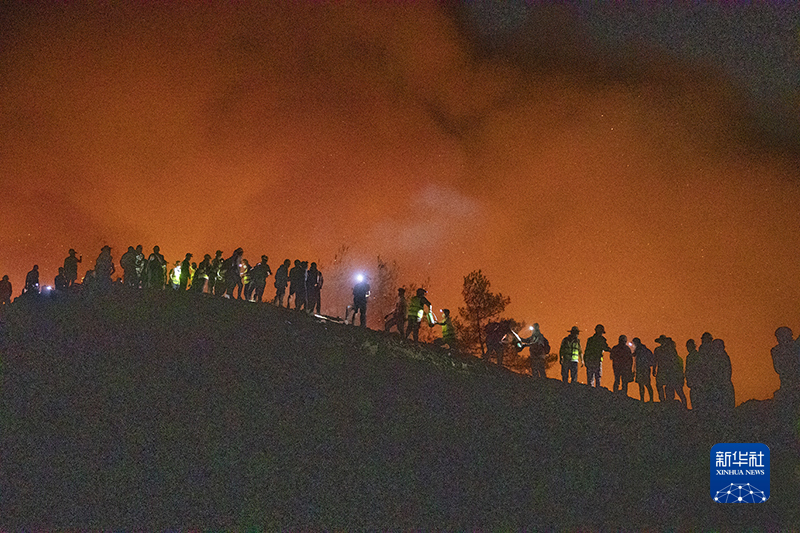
pixel 480 307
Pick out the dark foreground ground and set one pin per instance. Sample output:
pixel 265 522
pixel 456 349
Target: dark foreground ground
pixel 152 411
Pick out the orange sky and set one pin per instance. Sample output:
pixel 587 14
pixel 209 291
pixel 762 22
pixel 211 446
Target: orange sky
pixel 630 189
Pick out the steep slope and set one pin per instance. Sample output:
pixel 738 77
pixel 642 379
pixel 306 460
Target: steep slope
pixel 159 410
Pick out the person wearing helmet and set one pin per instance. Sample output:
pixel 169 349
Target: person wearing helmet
pixel 539 350
pixel 448 332
pixel 360 295
pixel 622 364
pixel 416 310
pixel 593 355
pixel 258 276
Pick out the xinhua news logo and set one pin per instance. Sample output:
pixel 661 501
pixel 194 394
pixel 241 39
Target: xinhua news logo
pixel 740 473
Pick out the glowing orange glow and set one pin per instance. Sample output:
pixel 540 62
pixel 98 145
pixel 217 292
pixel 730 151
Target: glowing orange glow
pixel 633 196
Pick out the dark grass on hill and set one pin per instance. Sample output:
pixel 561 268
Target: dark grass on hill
pixel 139 410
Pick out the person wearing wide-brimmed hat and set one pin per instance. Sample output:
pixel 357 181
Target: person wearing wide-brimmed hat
pixel 662 365
pixel 71 267
pixel 571 356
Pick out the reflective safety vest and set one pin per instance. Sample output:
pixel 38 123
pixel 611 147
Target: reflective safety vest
pixel 416 310
pixel 175 275
pixel 570 350
pixel 448 331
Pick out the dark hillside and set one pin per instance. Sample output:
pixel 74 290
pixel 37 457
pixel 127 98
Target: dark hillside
pixel 139 410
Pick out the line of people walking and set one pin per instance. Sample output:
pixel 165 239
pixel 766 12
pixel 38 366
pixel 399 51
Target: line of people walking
pixel 231 277
pixel 707 372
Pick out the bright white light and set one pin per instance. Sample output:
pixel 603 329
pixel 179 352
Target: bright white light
pixel 48 287
pixel 530 328
pixel 359 277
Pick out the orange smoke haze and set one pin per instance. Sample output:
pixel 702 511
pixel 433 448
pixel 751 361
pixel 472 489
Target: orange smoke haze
pixel 590 186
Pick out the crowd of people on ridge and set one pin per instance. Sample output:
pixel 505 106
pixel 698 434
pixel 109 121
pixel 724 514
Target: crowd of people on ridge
pixel 707 372
pixel 231 277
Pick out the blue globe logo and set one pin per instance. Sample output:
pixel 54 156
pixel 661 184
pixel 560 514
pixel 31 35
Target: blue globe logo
pixel 740 493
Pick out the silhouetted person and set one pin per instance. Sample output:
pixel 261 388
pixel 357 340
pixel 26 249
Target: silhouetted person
pixel 258 278
pixel 104 268
pixel 786 362
pixel 300 294
pixel 281 280
pixel 233 279
pixel 676 380
pixel 156 270
pixel 662 358
pixel 295 279
pixel 140 262
pixel 448 332
pixel 622 363
pixel 314 283
pixel 498 336
pixel 360 295
pixel 644 367
pixel 89 282
pixel 200 277
pixel 32 282
pixel 593 355
pixel 5 291
pixel 174 276
pixel 71 266
pixel 494 334
pixel 668 370
pixel 416 311
pixel 720 393
pixel 539 350
pixel 570 356
pixel 215 276
pixel 128 264
pixel 247 280
pixel 60 283
pixel 694 378
pixel 397 318
pixel 186 272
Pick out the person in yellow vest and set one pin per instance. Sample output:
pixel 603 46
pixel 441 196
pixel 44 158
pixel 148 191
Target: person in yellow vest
pixel 448 332
pixel 416 311
pixel 571 356
pixel 175 275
